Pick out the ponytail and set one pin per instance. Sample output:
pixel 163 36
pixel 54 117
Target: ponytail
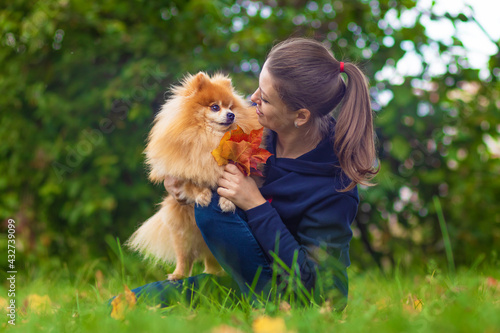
pixel 307 75
pixel 354 141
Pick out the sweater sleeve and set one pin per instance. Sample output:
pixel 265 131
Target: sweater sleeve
pixel 265 223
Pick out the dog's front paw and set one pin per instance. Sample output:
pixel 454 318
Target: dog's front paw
pixel 175 277
pixel 226 205
pixel 204 197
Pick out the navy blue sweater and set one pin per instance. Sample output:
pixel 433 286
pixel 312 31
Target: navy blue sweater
pixel 305 208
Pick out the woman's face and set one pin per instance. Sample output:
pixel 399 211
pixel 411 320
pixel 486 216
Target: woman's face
pixel 272 112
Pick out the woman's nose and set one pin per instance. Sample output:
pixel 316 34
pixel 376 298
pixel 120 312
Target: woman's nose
pixel 255 97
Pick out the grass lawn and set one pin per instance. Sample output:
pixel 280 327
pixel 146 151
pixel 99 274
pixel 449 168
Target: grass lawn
pixel 60 299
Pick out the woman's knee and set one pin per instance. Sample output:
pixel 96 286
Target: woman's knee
pixel 205 216
pixel 212 217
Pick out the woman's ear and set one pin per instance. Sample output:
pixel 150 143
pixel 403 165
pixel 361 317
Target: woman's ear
pixel 302 117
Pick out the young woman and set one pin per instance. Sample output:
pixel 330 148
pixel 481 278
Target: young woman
pixel 299 219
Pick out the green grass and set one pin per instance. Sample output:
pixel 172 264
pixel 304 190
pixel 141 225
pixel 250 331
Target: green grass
pixel 425 300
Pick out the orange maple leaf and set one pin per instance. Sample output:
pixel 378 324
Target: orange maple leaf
pixel 243 150
pixel 122 303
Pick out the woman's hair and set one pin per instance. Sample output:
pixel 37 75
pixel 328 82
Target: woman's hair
pixel 307 76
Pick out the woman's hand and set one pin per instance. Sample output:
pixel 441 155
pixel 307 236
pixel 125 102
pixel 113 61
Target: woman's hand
pixel 174 187
pixel 241 190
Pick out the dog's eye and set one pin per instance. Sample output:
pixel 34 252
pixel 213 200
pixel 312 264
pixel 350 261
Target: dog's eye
pixel 215 107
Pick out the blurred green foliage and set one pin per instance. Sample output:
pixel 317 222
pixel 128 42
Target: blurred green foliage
pixel 82 80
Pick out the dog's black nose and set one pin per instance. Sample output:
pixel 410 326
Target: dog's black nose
pixel 230 117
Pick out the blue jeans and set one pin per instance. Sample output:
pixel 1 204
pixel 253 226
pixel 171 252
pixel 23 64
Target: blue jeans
pixel 232 243
pixel 234 246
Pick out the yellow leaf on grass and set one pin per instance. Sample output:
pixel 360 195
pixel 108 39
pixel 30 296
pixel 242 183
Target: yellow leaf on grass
pixel 3 304
pixel 413 304
pixel 122 303
pixel 38 304
pixel 265 324
pixel 417 304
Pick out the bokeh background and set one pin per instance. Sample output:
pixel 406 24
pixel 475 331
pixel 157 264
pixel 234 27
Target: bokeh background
pixel 81 81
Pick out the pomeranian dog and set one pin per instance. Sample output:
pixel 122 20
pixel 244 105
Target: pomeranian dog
pixel 188 127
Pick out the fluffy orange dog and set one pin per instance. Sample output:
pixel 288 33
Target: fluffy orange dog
pixel 186 130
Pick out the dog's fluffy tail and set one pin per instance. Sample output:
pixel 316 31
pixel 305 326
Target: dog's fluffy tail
pixel 153 239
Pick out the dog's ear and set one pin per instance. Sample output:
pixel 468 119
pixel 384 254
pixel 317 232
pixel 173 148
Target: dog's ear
pixel 222 79
pixel 195 83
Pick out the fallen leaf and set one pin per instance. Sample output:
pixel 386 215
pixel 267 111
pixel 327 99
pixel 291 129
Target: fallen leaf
pixel 413 304
pixel 122 303
pixel 225 329
pixel 326 308
pixel 285 307
pixel 153 308
pixel 3 304
pixel 492 282
pixel 243 150
pixel 417 304
pixel 38 304
pixel 265 324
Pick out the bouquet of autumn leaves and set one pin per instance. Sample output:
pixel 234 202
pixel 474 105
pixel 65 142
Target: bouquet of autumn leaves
pixel 243 150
